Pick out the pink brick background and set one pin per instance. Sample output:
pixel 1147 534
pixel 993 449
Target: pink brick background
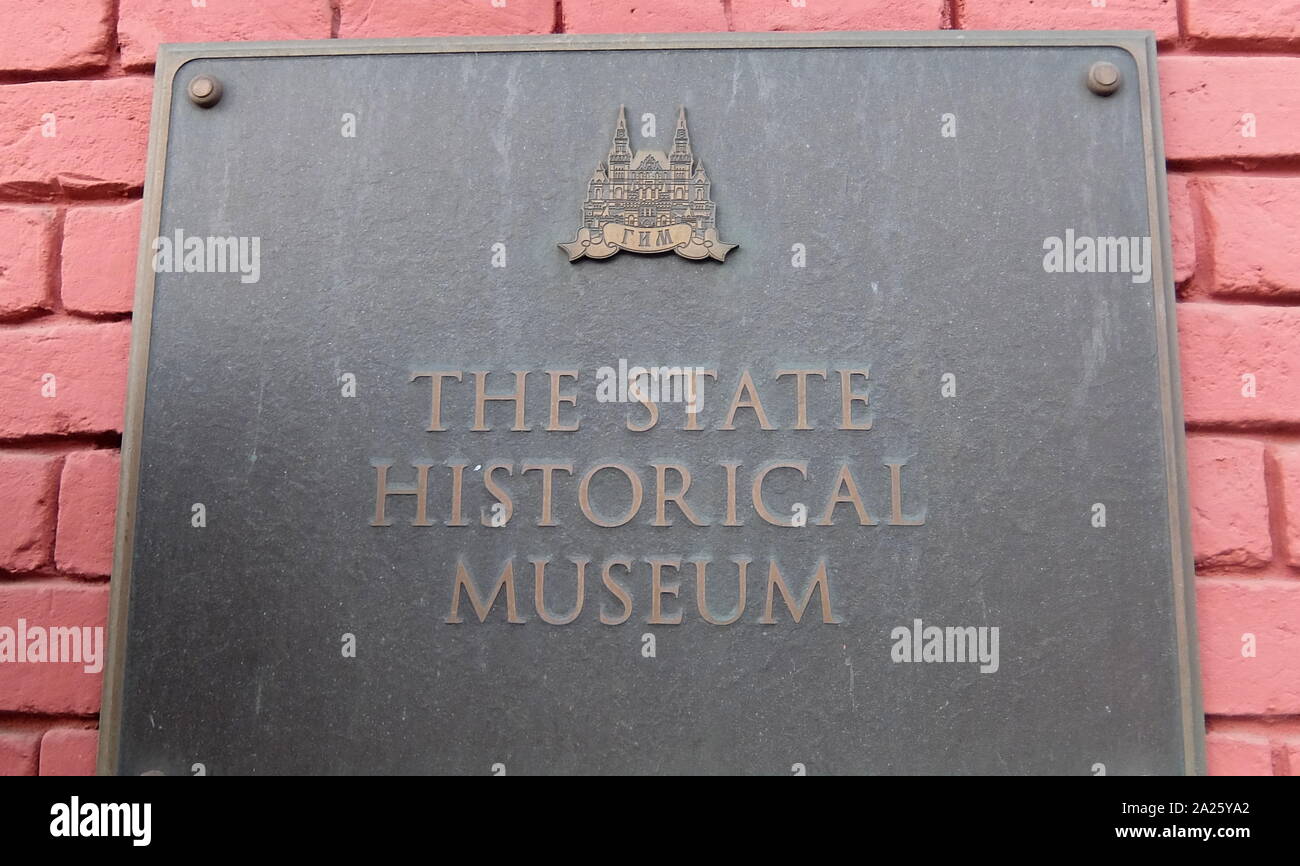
pixel 74 109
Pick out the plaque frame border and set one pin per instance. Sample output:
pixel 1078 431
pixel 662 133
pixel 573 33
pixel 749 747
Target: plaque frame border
pixel 1140 44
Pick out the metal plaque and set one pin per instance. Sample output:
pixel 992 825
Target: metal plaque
pixel 768 404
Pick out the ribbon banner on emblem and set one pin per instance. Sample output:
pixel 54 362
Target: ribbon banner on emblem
pixel 680 238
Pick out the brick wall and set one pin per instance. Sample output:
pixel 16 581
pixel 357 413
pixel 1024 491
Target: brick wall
pixel 74 108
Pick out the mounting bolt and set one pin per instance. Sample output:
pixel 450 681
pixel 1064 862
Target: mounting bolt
pixel 204 91
pixel 1103 78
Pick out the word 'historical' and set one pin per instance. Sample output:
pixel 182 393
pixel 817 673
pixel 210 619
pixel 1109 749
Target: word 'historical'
pixel 611 492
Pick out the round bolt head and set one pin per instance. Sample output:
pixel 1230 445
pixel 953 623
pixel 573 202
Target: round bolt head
pixel 1103 78
pixel 204 91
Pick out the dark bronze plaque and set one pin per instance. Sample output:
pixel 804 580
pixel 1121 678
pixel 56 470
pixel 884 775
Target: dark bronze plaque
pixel 839 433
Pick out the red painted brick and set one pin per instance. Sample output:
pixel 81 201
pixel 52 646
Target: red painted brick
pixel 69 752
pixel 87 506
pixel 99 254
pixel 843 15
pixel 1221 343
pixel 88 362
pixel 27 494
pixel 640 16
pixel 1205 101
pixel 144 24
pixel 1182 228
pixel 1245 22
pixel 50 687
pixel 54 35
pixel 18 754
pixel 1268 683
pixel 1158 15
pixel 368 18
pixel 1228 502
pixel 25 257
pixel 1225 755
pixel 1254 223
pixel 100 134
pixel 1286 467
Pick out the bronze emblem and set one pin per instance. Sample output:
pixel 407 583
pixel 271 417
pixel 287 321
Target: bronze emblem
pixel 650 202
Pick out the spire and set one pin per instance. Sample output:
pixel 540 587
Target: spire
pixel 621 152
pixel 681 139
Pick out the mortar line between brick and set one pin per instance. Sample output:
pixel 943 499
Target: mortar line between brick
pixel 56 261
pixel 73 74
pixel 1265 303
pixel 39 724
pixel 60 443
pixel 58 579
pixel 43 318
pixel 1266 436
pixel 1272 167
pixel 1281 763
pixel 1273 579
pixel 106 200
pixel 52 558
pixel 1275 502
pixel 1180 13
pixel 114 38
pixel 1202 279
pixel 1270 431
pixel 1242 49
pixel 952 15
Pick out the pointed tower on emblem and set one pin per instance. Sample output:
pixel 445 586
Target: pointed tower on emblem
pixel 649 202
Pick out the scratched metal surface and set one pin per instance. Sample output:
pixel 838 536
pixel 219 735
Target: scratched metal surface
pixel 924 257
